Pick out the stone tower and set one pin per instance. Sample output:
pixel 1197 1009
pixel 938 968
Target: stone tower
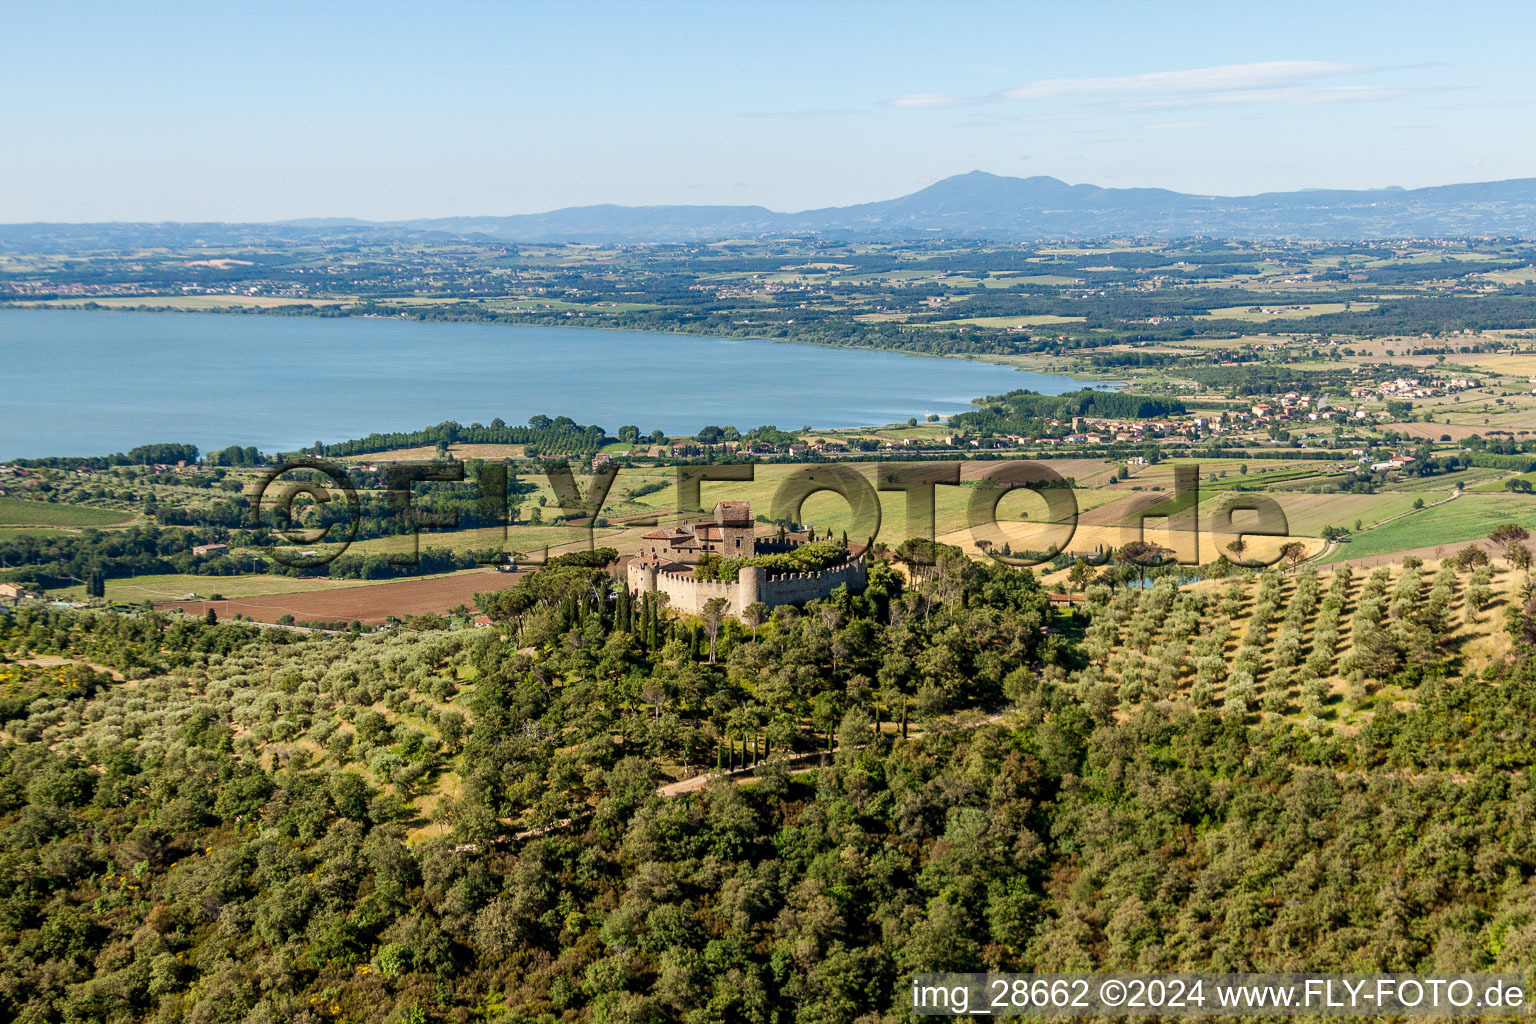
pixel 736 530
pixel 642 577
pixel 749 586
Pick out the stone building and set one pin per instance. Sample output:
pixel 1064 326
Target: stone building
pixel 752 583
pixel 729 534
pixel 665 560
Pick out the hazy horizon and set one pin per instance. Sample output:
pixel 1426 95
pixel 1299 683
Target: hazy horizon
pixel 747 204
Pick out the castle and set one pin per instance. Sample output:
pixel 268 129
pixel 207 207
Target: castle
pixel 666 557
pixel 729 534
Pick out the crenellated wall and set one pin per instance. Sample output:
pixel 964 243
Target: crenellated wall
pixel 689 595
pixel 752 583
pixel 808 586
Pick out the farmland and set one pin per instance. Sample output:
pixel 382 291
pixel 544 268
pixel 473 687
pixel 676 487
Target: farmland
pixel 1467 518
pixel 22 512
pixel 157 589
pixel 940 296
pixel 370 604
pixel 1234 331
pixel 1307 646
pixel 1108 494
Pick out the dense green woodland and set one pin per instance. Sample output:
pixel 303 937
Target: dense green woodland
pixel 253 825
pixel 1030 411
pixel 544 436
pixel 57 559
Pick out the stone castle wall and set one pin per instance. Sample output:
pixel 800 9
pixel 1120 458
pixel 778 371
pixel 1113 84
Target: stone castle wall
pixel 689 595
pixel 809 586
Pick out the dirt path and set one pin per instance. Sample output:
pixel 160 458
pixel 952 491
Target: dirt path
pixel 693 784
pixel 697 782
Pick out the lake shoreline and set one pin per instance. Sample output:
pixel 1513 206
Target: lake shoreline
pixel 994 358
pixel 83 385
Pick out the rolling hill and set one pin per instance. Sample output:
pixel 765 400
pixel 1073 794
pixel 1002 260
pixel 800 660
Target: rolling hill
pixel 973 205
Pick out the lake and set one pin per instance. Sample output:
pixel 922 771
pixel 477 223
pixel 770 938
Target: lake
pixel 94 383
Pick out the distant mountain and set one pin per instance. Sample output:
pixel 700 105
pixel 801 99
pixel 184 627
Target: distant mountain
pixel 975 205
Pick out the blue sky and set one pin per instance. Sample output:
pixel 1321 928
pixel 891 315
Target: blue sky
pixel 234 111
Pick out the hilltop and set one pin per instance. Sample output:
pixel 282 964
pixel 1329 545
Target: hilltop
pixel 973 205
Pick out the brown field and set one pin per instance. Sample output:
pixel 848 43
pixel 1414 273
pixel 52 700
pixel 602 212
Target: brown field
pixel 1521 364
pixel 370 605
pixel 1087 472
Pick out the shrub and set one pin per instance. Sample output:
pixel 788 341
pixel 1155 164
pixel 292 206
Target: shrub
pixel 805 558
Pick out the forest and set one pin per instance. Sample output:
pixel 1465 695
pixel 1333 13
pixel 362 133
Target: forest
pixel 1028 411
pixel 143 455
pixel 543 436
pixel 57 559
pixel 219 822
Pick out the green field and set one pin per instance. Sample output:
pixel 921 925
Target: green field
pixel 1031 320
pixel 527 539
pixel 1468 518
pixel 10 533
pixel 828 511
pixel 1498 485
pixel 1283 312
pixel 21 512
pixel 1308 514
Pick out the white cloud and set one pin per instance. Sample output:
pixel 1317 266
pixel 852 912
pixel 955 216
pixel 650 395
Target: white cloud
pixel 800 115
pixel 926 100
pixel 1224 79
pixel 1277 81
pixel 1289 94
